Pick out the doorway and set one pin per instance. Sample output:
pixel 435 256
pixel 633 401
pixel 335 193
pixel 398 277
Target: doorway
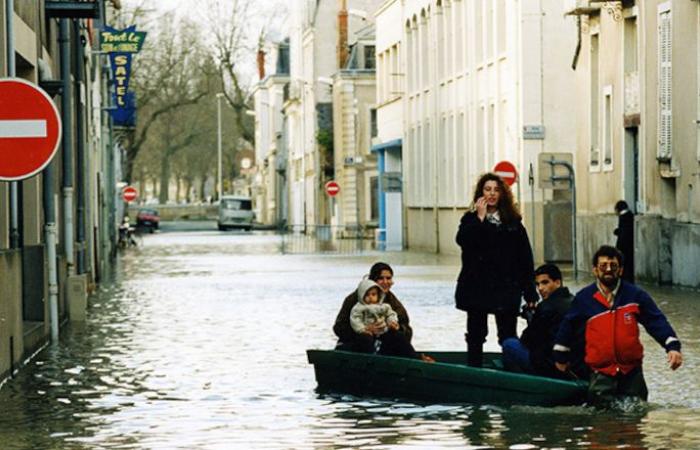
pixel 630 178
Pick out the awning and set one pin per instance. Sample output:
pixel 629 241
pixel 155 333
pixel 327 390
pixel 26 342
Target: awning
pixel 389 145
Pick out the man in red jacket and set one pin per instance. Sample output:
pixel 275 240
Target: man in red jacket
pixel 610 310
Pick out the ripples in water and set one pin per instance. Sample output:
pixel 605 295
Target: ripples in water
pixel 199 342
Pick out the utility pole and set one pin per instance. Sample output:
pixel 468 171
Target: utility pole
pixel 219 184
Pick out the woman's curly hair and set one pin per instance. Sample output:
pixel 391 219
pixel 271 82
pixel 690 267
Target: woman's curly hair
pixel 507 208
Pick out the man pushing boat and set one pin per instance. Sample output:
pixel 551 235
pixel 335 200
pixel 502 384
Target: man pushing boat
pixel 610 310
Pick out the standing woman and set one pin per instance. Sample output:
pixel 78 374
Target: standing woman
pixel 497 265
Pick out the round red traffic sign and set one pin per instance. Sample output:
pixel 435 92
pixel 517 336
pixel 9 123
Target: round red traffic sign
pixel 129 194
pixel 332 188
pixel 30 129
pixel 506 170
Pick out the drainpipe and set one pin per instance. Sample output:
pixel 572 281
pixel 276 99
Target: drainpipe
pixel 50 233
pixel 11 72
pixel 65 55
pixel 80 146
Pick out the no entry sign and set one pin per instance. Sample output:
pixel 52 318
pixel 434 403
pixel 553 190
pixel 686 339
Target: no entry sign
pixel 30 129
pixel 506 170
pixel 129 194
pixel 332 188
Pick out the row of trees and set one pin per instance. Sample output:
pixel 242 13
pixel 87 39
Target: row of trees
pixel 176 78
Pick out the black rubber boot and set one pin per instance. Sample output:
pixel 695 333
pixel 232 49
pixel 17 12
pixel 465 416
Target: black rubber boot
pixel 475 352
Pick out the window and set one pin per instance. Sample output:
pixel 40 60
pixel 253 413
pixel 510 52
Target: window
pixel 374 198
pixel 664 66
pixel 607 127
pixel 370 57
pixel 595 148
pixel 373 122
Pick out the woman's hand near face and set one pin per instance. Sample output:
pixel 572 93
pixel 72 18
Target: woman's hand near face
pixel 481 206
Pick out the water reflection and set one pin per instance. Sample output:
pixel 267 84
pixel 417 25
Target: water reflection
pixel 199 342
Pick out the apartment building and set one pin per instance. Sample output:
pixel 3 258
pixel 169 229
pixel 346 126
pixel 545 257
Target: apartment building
pixel 57 228
pixel 319 48
pixel 638 86
pixel 270 183
pixel 475 79
pixel 355 167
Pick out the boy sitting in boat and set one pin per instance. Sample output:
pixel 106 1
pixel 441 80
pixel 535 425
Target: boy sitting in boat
pixel 372 317
pixel 532 353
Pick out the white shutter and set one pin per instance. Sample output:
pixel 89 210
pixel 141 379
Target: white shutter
pixel 664 86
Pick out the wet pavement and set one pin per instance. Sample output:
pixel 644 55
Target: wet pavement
pixel 199 342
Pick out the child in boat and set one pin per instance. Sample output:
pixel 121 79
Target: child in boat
pixel 372 317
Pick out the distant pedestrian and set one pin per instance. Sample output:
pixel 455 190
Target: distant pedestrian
pixel 497 265
pixel 610 311
pixel 625 238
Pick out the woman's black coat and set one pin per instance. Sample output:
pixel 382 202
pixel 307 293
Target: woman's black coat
pixel 497 266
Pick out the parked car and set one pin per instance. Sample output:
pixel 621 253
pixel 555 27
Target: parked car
pixel 235 211
pixel 148 218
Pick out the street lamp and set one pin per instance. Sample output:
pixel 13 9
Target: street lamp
pixel 219 185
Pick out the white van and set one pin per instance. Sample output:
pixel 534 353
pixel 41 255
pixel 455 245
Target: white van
pixel 235 211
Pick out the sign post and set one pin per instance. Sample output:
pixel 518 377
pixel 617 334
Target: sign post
pixel 507 171
pixel 332 188
pixel 129 194
pixel 30 129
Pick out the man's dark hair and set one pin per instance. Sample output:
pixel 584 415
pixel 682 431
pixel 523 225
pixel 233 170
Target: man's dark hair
pixel 377 269
pixel 550 270
pixel 610 252
pixel 621 206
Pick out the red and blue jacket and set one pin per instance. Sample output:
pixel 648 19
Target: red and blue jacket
pixel 612 342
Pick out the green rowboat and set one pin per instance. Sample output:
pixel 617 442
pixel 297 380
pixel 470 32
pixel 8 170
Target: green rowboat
pixel 448 380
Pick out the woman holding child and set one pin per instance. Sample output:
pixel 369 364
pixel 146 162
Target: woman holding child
pixel 497 265
pixel 391 335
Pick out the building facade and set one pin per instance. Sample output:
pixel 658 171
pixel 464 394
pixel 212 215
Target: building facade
pixel 318 49
pixel 474 78
pixel 270 183
pixel 355 167
pixel 388 143
pixel 638 86
pixel 58 227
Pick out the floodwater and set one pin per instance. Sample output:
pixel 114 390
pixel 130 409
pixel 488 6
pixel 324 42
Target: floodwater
pixel 199 342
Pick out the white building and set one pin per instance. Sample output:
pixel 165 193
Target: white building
pixel 316 46
pixel 387 145
pixel 355 167
pixel 269 184
pixel 471 76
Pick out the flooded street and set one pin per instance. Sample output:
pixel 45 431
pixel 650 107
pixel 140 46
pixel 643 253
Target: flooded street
pixel 199 342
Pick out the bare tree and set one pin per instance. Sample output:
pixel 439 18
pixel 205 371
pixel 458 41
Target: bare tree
pixel 167 76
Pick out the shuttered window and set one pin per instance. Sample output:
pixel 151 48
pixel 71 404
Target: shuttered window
pixel 664 86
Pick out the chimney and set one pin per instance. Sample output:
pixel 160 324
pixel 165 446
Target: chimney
pixel 343 34
pixel 261 64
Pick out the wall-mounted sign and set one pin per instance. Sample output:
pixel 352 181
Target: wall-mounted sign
pixel 127 40
pixel 121 44
pixel 533 132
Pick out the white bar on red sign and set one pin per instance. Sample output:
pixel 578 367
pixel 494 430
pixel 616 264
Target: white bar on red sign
pixel 23 129
pixel 506 174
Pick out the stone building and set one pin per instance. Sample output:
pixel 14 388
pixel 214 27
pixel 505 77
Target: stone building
pixel 638 86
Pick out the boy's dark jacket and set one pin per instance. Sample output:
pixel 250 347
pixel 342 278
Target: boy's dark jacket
pixel 539 335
